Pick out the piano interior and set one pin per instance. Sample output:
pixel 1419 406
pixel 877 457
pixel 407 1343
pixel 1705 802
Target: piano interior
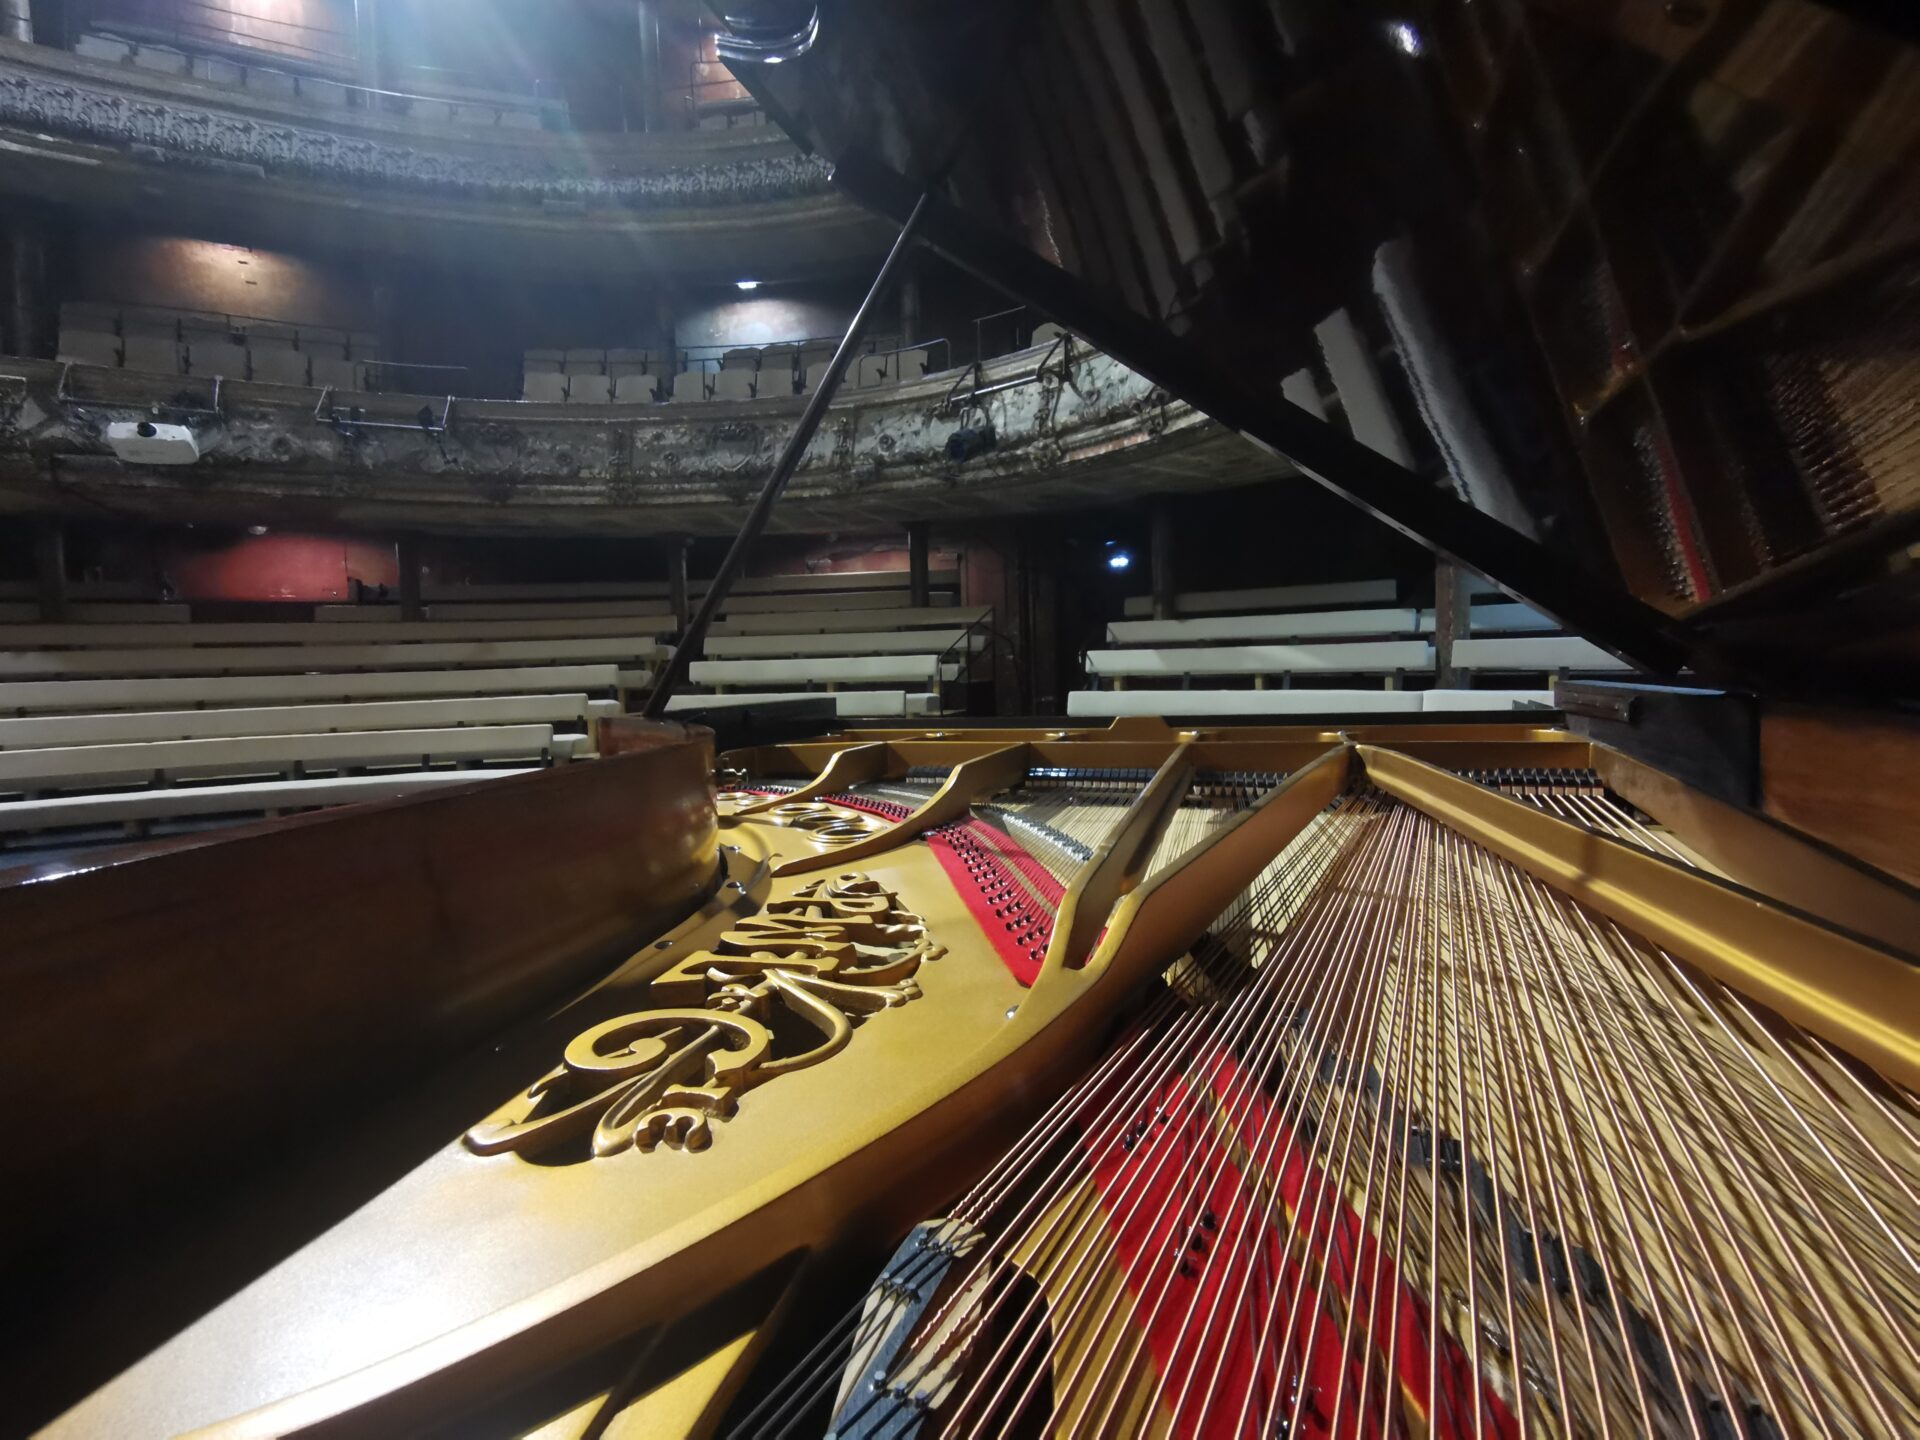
pixel 1550 1073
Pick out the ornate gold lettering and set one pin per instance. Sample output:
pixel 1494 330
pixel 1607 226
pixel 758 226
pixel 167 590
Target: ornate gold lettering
pixel 837 949
pixel 827 824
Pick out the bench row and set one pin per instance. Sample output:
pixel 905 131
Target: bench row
pixel 1320 624
pixel 847 704
pixel 855 629
pixel 1543 654
pixel 69 767
pixel 273 797
pixel 23 697
pixel 631 651
pixel 567 713
pixel 923 671
pixel 1110 704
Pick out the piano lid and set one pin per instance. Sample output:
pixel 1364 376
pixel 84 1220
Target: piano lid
pixel 1632 290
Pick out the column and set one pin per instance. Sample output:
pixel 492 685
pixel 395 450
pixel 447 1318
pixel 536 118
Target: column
pixel 918 588
pixel 16 20
pixel 649 78
pixel 367 44
pixel 50 568
pixel 407 554
pixel 24 306
pixel 910 305
pixel 1449 620
pixel 679 593
pixel 1160 560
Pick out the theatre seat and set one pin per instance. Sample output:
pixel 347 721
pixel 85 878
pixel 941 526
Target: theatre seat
pixel 734 385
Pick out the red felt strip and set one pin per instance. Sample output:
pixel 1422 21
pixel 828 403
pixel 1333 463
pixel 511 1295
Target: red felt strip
pixel 985 865
pixel 1186 1262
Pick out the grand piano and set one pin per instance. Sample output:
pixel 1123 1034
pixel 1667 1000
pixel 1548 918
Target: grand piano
pixel 1541 1074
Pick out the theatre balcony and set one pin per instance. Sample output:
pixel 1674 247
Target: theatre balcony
pixel 1050 426
pixel 201 143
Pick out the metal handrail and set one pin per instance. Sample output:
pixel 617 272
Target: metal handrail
pixel 979 345
pixel 395 100
pixel 965 661
pixel 234 320
pixel 181 29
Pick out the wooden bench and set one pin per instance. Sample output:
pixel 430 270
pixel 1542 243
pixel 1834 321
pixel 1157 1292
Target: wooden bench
pixel 249 659
pixel 297 632
pixel 1304 625
pixel 524 592
pixel 1498 618
pixel 71 766
pixel 27 612
pixel 640 614
pixel 555 711
pixel 906 617
pixel 138 592
pixel 1107 704
pixel 1274 597
pixel 1547 654
pixel 926 671
pixel 53 696
pixel 878 642
pixel 1437 700
pixel 1359 657
pixel 834 581
pixel 856 600
pixel 266 797
pixel 831 582
pixel 847 704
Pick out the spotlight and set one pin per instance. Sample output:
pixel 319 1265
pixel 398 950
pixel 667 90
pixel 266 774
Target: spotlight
pixel 1405 36
pixel 256 529
pixel 1118 560
pixel 746 284
pixel 969 441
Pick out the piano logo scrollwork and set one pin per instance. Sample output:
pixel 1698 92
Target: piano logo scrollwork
pixel 805 967
pixel 827 825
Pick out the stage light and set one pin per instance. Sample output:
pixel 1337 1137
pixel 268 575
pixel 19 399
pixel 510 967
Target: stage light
pixel 1405 36
pixel 1118 560
pixel 746 284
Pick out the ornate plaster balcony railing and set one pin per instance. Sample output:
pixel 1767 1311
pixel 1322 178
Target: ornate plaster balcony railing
pixel 1066 433
pixel 83 130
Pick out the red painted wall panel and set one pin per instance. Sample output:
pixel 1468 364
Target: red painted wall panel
pixel 313 569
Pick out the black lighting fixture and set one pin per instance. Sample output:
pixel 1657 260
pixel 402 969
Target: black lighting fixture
pixel 969 441
pixel 767 32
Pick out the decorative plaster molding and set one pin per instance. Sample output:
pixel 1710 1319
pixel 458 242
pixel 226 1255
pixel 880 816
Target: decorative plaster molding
pixel 502 464
pixel 175 131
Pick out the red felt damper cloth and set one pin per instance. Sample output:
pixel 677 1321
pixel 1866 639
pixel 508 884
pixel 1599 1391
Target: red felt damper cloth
pixel 1012 895
pixel 1203 1246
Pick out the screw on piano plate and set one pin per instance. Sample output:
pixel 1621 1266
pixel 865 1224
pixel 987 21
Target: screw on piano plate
pixel 1012 1010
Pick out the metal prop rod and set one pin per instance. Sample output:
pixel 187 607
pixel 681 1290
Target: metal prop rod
pixel 696 632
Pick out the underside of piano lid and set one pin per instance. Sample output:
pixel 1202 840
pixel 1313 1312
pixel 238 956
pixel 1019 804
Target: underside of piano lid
pixel 1453 1079
pixel 1637 285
